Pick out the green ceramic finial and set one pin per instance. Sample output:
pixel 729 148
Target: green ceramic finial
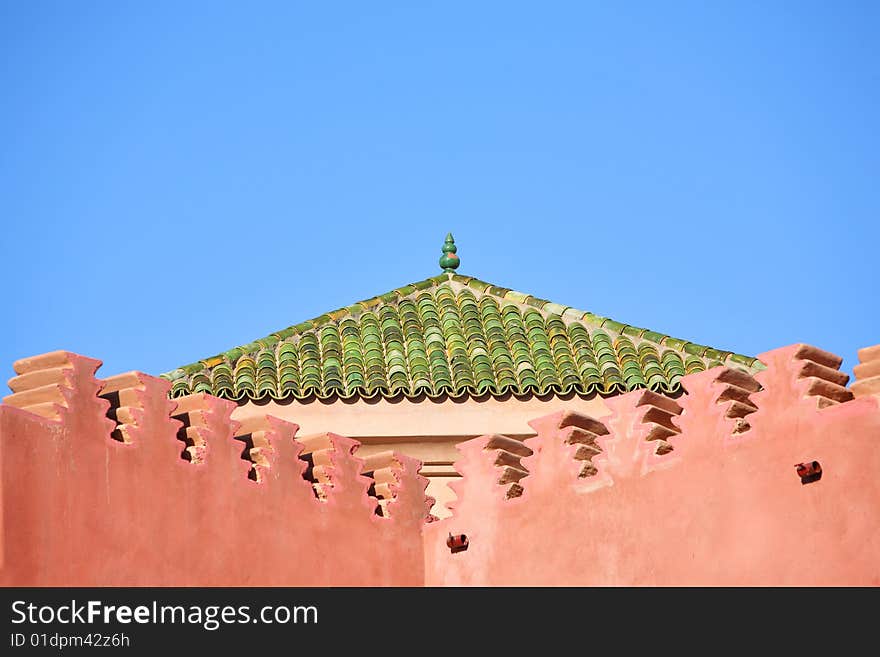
pixel 449 261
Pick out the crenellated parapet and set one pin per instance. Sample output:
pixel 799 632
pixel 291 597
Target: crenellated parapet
pixel 705 488
pixel 111 482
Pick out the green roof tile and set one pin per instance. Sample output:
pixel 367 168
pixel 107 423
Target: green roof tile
pixel 450 335
pixel 653 336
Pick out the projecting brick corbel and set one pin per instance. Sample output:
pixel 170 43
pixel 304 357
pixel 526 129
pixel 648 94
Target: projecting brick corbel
pixel 271 448
pixel 658 416
pixel 335 472
pixel 398 487
pixel 139 406
pixel 735 396
pixel 821 370
pixel 803 375
pixel 490 468
pixel 867 372
pixel 47 384
pixel 206 420
pixel 566 441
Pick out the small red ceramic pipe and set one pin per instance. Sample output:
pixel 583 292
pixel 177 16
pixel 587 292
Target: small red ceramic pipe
pixel 808 469
pixel 457 543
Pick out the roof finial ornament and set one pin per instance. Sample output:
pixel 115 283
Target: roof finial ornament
pixel 449 261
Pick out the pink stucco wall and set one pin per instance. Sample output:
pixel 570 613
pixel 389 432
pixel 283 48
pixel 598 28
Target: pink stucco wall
pixel 80 507
pixel 700 490
pixel 724 506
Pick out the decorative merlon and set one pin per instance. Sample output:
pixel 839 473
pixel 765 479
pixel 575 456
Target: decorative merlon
pixel 39 386
pixel 737 387
pixel 867 372
pixel 821 371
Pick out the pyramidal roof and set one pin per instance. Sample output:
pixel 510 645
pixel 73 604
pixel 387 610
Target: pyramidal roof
pixel 452 336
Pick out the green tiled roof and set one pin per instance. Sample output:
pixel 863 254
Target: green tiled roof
pixel 451 335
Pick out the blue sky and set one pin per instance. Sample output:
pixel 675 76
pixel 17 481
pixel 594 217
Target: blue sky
pixel 180 178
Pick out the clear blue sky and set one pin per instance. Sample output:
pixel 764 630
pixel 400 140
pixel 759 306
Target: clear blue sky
pixel 180 178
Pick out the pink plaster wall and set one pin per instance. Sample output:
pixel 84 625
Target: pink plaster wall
pixel 701 490
pixel 724 506
pixel 82 508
